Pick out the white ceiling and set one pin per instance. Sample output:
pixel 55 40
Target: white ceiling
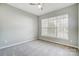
pixel 48 7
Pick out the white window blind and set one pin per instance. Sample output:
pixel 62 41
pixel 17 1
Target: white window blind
pixel 55 27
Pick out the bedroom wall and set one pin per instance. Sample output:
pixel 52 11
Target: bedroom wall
pixel 16 26
pixel 78 24
pixel 72 11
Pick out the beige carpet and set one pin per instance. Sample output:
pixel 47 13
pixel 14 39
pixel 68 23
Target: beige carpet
pixel 38 48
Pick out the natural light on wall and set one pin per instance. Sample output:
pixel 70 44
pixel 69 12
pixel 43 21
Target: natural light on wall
pixel 56 26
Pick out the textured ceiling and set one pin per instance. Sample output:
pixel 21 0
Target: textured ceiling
pixel 47 7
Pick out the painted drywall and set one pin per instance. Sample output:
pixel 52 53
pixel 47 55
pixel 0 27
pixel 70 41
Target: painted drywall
pixel 72 11
pixel 78 25
pixel 16 26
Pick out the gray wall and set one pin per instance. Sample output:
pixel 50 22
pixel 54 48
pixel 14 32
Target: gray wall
pixel 72 11
pixel 78 25
pixel 16 26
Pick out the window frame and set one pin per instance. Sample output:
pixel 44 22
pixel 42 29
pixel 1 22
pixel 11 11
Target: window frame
pixel 56 18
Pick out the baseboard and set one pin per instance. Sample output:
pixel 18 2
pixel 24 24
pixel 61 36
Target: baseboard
pixel 7 46
pixel 61 44
pixel 11 45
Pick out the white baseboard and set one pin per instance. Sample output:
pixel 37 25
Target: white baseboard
pixel 7 46
pixel 73 46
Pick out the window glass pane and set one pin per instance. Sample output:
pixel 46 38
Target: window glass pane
pixel 55 27
pixel 44 26
pixel 62 27
pixel 52 27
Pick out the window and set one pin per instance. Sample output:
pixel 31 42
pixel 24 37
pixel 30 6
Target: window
pixel 55 27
